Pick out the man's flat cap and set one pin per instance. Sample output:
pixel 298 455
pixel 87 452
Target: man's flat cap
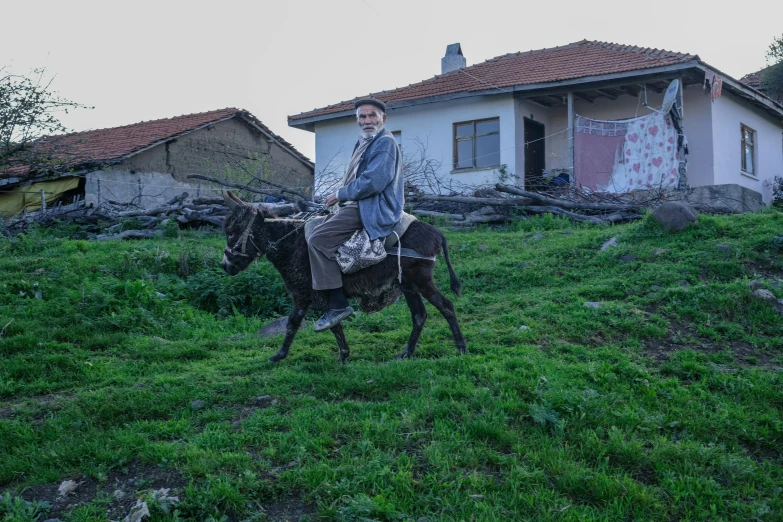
pixel 370 101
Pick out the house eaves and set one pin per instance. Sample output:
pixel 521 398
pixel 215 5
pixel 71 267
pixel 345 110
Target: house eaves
pixel 557 87
pixel 748 93
pixel 695 67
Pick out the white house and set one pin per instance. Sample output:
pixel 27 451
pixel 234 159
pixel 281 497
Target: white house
pixel 518 111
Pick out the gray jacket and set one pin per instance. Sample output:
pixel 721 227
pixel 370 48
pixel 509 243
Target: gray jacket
pixel 378 187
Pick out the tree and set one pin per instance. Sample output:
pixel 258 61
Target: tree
pixel 29 110
pixel 772 76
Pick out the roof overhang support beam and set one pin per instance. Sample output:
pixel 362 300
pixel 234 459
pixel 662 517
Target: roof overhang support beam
pixel 629 90
pixel 583 97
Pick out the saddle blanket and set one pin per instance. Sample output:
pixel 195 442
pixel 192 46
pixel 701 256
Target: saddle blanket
pixel 400 228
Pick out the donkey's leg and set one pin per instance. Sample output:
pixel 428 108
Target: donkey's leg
pixel 418 317
pixel 294 320
pixel 446 307
pixel 345 352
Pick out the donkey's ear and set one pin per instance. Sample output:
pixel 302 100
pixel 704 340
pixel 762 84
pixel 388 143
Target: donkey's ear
pixel 231 200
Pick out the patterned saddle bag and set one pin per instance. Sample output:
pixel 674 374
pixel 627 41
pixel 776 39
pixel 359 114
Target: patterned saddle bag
pixel 359 252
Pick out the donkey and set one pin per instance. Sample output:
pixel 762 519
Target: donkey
pixel 255 231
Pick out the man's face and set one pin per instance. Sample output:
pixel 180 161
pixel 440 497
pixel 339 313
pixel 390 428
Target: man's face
pixel 370 119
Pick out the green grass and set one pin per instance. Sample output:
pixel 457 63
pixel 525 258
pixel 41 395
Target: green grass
pixel 663 404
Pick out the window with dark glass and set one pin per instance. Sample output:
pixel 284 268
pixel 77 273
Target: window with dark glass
pixel 477 144
pixel 748 149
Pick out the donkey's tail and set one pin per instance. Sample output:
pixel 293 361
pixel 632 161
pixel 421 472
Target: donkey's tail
pixel 455 283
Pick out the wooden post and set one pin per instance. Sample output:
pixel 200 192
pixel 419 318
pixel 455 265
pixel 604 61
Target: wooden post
pixel 571 138
pixel 99 192
pixel 43 200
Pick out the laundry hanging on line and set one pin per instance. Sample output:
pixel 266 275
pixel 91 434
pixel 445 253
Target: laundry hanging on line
pixel 625 155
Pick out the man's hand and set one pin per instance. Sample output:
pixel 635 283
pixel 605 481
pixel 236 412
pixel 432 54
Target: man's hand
pixel 331 199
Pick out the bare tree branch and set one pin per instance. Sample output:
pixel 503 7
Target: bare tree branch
pixel 240 186
pixel 562 203
pixel 28 111
pixel 282 188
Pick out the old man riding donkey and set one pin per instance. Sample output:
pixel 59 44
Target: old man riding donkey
pixel 369 250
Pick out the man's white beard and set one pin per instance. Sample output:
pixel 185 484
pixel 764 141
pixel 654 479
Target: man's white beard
pixel 372 133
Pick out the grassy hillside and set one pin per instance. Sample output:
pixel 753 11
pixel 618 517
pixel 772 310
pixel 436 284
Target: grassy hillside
pixel 135 366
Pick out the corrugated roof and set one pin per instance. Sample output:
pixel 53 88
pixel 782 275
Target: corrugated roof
pixel 576 60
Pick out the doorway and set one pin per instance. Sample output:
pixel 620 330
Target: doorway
pixel 535 154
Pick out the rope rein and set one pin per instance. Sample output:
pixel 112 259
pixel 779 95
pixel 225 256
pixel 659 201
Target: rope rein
pixel 247 235
pixel 242 241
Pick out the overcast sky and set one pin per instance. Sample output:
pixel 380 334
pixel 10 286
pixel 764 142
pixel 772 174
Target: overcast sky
pixel 146 60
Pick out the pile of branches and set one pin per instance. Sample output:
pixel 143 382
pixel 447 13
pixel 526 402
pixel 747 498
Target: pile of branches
pixel 499 205
pixel 108 219
pixel 112 220
pixel 507 203
pixel 116 220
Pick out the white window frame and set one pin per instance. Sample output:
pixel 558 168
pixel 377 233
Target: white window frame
pixel 473 137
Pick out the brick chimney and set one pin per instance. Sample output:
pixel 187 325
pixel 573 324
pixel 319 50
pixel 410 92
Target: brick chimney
pixel 453 59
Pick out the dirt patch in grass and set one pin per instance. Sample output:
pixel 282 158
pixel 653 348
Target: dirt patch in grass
pixel 744 354
pixel 47 404
pixel 291 509
pixel 765 271
pixel 245 411
pixel 122 488
pixel 760 453
pixel 682 336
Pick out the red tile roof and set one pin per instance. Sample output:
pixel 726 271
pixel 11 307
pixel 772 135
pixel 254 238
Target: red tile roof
pixel 752 79
pixel 576 60
pixel 108 145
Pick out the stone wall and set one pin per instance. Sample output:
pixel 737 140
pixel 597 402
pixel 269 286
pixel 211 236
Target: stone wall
pixel 160 173
pixel 146 189
pixel 729 198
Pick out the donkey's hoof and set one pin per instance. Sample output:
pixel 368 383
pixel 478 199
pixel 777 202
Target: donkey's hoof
pixel 277 357
pixel 405 354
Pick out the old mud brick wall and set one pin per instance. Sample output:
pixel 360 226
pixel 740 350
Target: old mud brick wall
pixel 160 173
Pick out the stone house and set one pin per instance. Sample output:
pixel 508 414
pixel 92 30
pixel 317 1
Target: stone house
pixel 148 163
pixel 519 114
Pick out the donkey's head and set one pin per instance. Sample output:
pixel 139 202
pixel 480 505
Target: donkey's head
pixel 244 234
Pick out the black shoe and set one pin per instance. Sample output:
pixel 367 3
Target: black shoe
pixel 332 318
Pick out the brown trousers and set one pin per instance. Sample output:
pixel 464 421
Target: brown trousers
pixel 324 242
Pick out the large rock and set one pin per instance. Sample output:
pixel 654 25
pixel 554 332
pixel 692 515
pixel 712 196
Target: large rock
pixel 675 215
pixel 276 327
